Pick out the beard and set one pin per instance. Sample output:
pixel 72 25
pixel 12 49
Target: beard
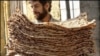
pixel 41 15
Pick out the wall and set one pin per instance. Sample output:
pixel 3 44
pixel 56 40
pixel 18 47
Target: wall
pixel 2 31
pixel 93 11
pixel 4 17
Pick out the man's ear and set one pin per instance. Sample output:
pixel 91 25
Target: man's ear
pixel 47 5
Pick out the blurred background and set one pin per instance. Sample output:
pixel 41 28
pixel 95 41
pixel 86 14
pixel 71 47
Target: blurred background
pixel 61 10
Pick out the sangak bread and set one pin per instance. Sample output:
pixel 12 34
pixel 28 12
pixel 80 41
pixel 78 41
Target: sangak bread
pixel 69 38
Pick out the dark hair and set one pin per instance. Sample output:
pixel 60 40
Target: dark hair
pixel 43 2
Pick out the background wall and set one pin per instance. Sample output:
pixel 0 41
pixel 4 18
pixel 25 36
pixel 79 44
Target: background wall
pixel 93 10
pixel 3 5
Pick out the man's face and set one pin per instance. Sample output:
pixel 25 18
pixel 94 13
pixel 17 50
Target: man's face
pixel 39 10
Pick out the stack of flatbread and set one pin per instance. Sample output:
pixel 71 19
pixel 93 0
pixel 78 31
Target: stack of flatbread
pixel 68 38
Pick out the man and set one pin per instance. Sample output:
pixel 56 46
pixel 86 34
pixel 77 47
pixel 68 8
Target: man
pixel 41 10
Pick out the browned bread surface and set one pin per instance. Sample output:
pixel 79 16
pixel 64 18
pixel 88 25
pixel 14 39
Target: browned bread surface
pixel 69 38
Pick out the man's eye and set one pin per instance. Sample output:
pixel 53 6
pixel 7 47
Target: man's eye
pixel 32 6
pixel 36 6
